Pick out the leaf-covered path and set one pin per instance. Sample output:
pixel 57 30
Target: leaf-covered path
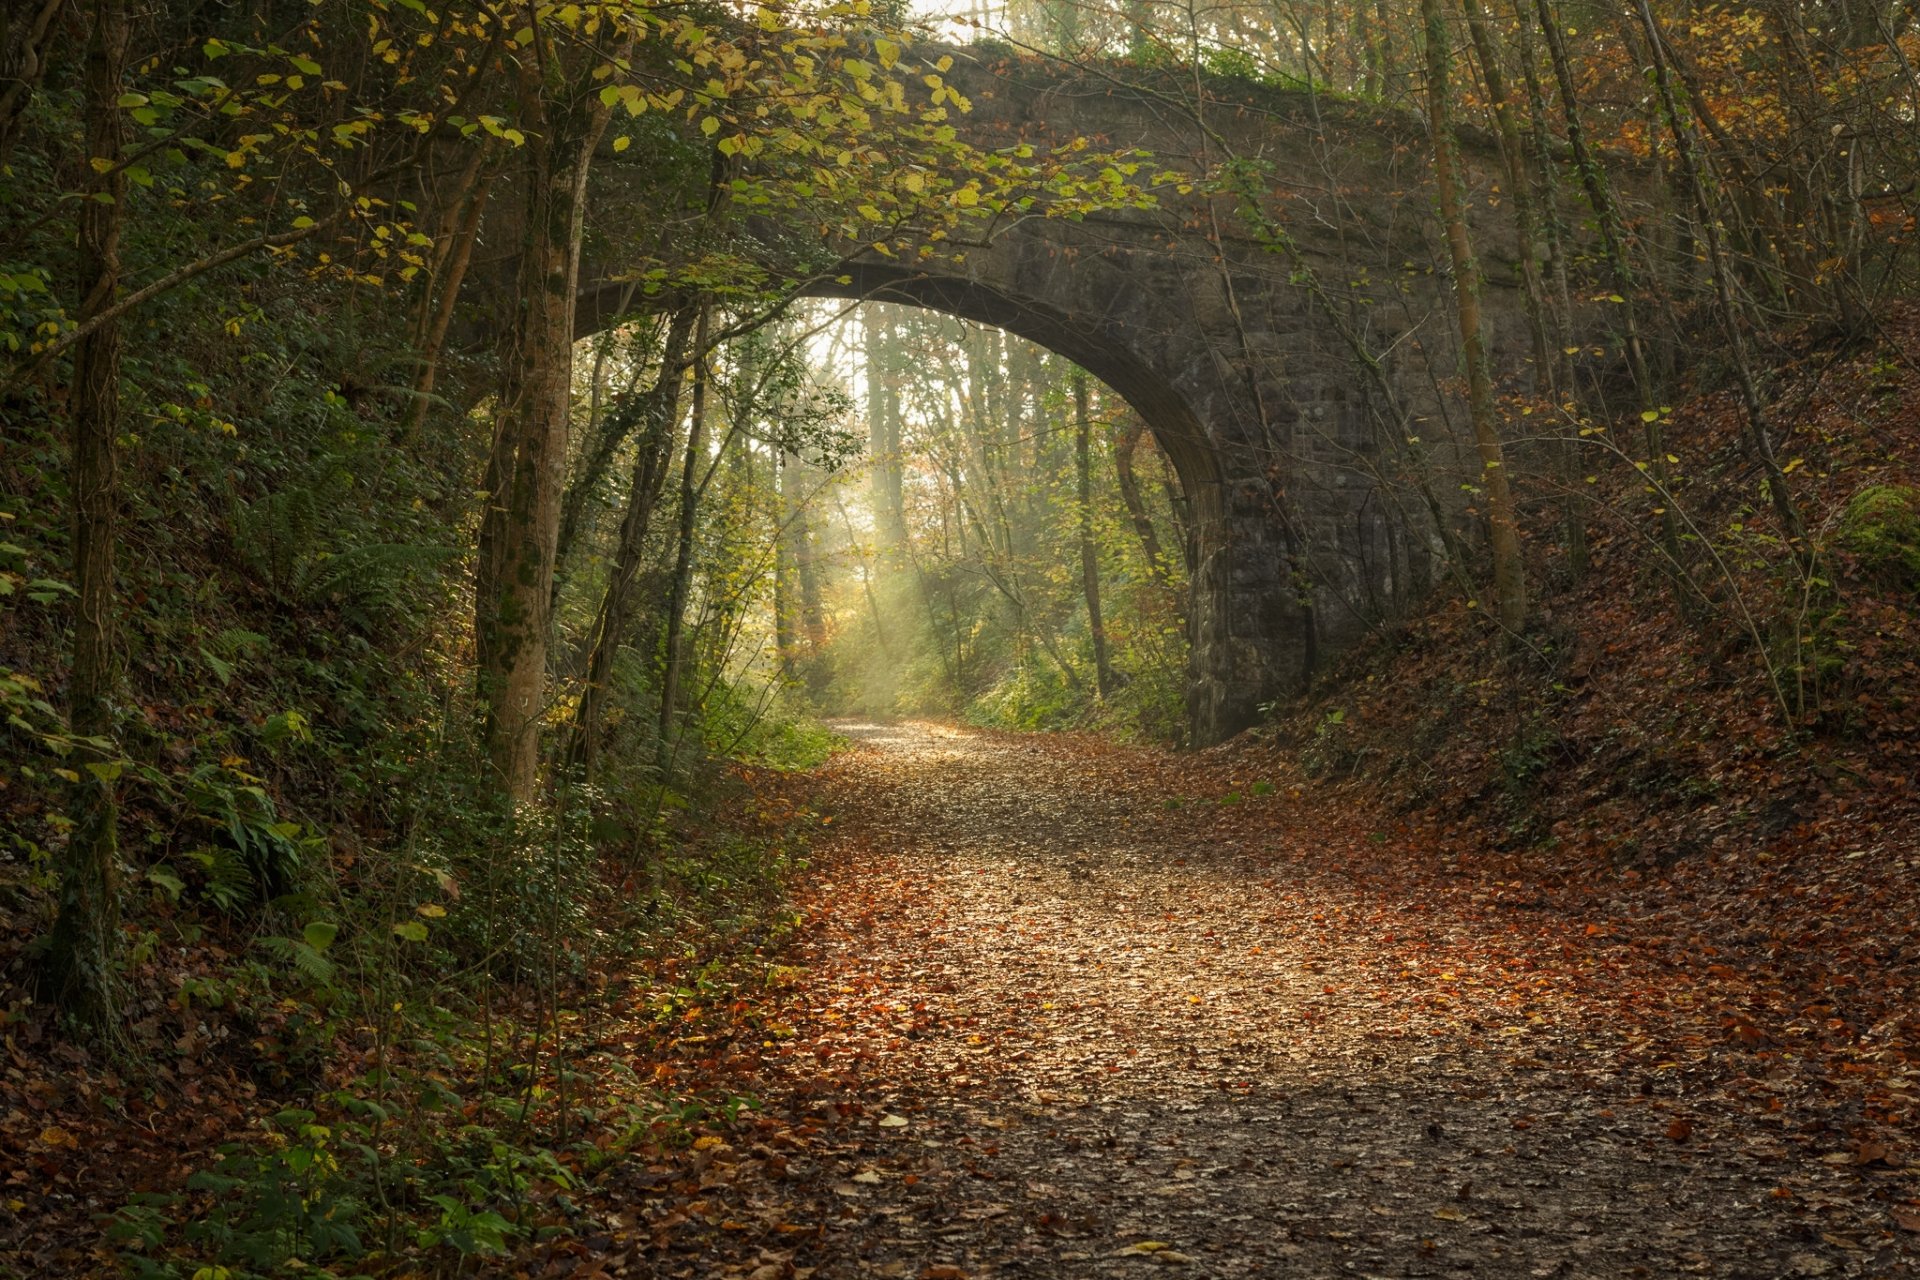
pixel 1051 1018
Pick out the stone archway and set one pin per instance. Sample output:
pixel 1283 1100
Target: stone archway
pixel 1297 451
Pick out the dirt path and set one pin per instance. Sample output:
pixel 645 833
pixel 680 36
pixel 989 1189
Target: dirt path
pixel 1052 1022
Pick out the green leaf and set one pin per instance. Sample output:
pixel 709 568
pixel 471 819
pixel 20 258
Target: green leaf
pixel 320 934
pixel 411 930
pixel 170 884
pixel 307 65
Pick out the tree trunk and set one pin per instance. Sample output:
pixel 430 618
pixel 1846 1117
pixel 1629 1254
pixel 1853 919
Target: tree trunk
pixel 527 467
pixel 1546 356
pixel 682 585
pixel 1125 442
pixel 619 425
pixel 806 611
pixel 439 301
pixel 1759 443
pixel 1089 549
pixel 883 431
pixel 786 629
pixel 1613 242
pixel 658 412
pixel 83 960
pixel 26 32
pixel 1509 574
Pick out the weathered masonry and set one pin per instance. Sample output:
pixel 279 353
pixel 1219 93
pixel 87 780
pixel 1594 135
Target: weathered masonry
pixel 1295 387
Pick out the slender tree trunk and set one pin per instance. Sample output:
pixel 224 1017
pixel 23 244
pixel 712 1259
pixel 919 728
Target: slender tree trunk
pixel 1125 442
pixel 520 528
pixel 26 31
pixel 883 431
pixel 1545 167
pixel 786 630
pixel 1613 242
pixel 1759 443
pixel 1509 574
pixel 866 586
pixel 1089 548
pixel 1526 233
pixel 807 612
pixel 83 959
pixel 682 585
pixel 658 411
pixel 618 426
pixel 437 318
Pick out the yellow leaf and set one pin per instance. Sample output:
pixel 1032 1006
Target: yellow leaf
pixel 887 51
pixel 622 142
pixel 236 159
pixel 431 910
pixel 710 126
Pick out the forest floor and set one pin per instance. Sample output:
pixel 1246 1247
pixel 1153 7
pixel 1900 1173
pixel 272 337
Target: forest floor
pixel 1064 1008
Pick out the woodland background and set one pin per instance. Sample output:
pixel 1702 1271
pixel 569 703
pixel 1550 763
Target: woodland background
pixel 386 703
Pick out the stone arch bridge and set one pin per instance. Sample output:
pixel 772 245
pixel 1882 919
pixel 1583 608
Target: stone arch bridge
pixel 1309 523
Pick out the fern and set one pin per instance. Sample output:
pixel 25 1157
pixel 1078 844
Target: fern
pixel 279 534
pixel 313 551
pixel 237 642
pixel 371 576
pixel 230 881
pixel 302 959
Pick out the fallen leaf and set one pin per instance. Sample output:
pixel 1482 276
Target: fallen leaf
pixel 1681 1129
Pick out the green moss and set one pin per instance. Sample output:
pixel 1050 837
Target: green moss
pixel 1881 528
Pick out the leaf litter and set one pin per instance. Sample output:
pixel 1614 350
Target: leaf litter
pixel 1057 1007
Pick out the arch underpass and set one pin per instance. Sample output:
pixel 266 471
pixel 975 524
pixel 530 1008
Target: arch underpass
pixel 1290 384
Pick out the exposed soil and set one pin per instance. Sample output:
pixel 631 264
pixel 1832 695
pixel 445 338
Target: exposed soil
pixel 1052 1017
